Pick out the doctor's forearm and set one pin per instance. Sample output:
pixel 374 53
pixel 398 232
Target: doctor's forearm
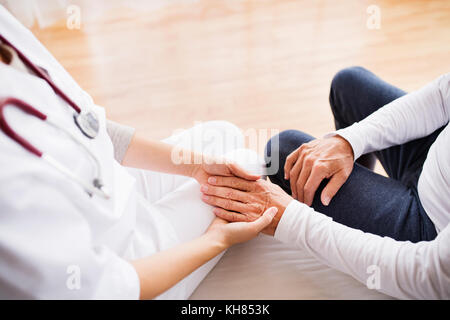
pixel 155 155
pixel 163 270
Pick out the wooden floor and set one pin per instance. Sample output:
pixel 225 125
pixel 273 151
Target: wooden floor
pixel 257 63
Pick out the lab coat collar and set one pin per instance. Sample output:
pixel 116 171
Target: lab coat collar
pixel 24 40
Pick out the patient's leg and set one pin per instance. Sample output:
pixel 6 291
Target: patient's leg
pixel 356 93
pixel 367 201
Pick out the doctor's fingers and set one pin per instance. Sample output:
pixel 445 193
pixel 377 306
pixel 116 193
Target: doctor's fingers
pixel 259 223
pixel 240 172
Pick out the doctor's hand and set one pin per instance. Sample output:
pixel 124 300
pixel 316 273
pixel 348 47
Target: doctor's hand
pixel 241 200
pixel 219 167
pixel 229 233
pixel 306 167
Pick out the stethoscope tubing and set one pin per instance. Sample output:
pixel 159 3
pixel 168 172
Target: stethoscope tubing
pixel 6 128
pixel 25 107
pixel 97 184
pixel 42 75
pixel 62 169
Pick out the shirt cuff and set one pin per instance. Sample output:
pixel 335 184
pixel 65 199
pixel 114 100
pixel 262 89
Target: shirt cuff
pixel 353 137
pixel 291 213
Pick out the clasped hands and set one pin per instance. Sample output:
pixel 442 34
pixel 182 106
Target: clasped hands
pixel 240 200
pixel 241 197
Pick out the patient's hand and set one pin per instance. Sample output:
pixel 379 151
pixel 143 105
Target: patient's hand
pixel 238 199
pixel 306 167
pixel 220 167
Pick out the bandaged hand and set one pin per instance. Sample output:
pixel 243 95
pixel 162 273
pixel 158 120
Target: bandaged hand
pixel 240 200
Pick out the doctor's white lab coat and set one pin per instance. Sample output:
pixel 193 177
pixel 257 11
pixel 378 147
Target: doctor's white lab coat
pixel 55 240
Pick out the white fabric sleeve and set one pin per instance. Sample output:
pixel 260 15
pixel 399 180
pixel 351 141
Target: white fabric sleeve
pixel 47 249
pixel 406 270
pixel 410 117
pixel 121 136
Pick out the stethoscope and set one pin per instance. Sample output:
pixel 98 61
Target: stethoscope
pixel 86 121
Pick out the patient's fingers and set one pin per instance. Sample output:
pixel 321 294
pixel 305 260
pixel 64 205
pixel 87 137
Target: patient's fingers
pixel 290 161
pixel 333 187
pixel 312 183
pixel 231 216
pixel 302 178
pixel 227 204
pixel 232 182
pixel 224 192
pixel 293 177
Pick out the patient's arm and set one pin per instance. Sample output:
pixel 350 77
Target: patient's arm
pixel 162 270
pixel 409 117
pixel 404 269
pixel 159 156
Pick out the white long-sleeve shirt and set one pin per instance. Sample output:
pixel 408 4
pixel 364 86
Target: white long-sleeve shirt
pixel 410 117
pixel 405 270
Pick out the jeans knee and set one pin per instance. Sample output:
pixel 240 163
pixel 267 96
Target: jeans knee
pixel 347 77
pixel 345 84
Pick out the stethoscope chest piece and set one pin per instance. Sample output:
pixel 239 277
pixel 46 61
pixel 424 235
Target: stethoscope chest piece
pixel 88 123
